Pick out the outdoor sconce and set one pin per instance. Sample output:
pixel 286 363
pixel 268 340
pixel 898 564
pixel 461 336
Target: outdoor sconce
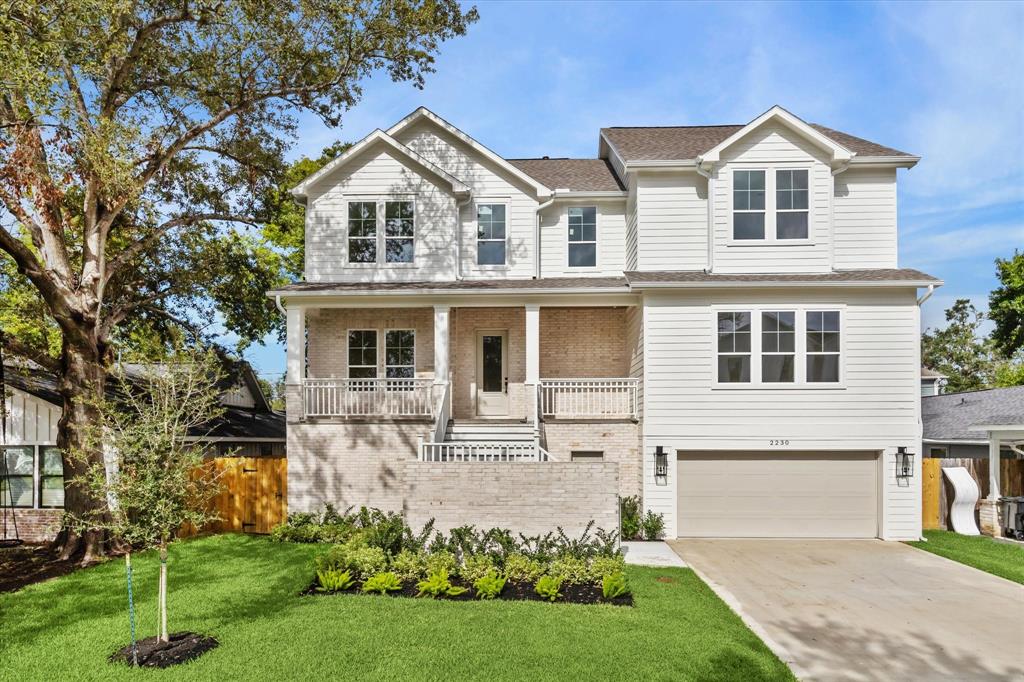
pixel 904 464
pixel 660 461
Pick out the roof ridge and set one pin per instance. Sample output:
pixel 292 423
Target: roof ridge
pixel 711 125
pixel 975 390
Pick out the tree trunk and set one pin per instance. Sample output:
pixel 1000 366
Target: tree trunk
pixel 163 592
pixel 82 384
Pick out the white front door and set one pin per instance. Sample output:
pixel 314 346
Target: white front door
pixel 492 373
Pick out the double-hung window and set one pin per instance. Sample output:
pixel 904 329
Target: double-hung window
pixel 400 354
pixel 748 204
pixel 823 348
pixel 362 354
pixel 362 232
pixel 399 231
pixel 582 236
pixel 16 486
pixel 490 234
pixel 791 212
pixel 778 346
pixel 734 347
pixel 51 477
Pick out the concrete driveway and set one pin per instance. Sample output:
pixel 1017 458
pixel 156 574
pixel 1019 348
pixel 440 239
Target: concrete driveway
pixel 867 609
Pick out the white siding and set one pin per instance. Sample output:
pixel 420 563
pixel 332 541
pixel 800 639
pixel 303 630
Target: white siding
pixel 611 240
pixel 488 182
pixel 672 215
pixel 30 420
pixel 878 409
pixel 864 219
pixel 378 175
pixel 766 148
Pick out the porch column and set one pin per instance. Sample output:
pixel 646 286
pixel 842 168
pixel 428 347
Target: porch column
pixel 988 510
pixel 296 365
pixel 441 330
pixel 993 465
pixel 532 344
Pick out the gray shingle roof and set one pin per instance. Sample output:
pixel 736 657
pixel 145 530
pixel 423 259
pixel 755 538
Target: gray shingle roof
pixel 688 142
pixel 950 416
pixel 840 276
pixel 585 175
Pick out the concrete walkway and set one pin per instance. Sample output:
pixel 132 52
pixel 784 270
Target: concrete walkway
pixel 651 554
pixel 867 609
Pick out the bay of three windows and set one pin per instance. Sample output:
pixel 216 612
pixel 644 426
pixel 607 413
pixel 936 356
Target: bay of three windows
pixel 778 212
pixel 772 337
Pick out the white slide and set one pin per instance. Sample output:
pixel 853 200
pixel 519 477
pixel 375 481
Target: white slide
pixel 965 499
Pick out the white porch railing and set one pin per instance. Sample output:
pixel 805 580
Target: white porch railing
pixel 484 451
pixel 367 397
pixel 589 398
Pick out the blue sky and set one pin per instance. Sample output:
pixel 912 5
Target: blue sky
pixel 944 81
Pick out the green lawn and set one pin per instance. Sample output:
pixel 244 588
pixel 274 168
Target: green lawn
pixel 242 590
pixel 997 558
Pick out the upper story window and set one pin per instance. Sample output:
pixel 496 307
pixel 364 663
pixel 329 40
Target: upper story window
pixel 491 234
pixel 362 232
pixel 362 354
pixel 791 212
pixel 399 231
pixel 771 206
pixel 823 346
pixel 748 204
pixel 582 237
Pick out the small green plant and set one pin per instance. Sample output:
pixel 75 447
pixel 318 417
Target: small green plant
pixel 630 517
pixel 332 580
pixel 441 561
pixel 409 566
pixel 570 570
pixel 602 566
pixel 489 586
pixel 476 566
pixel 521 568
pixel 548 587
pixel 653 526
pixel 366 561
pixel 614 585
pixel 438 585
pixel 382 583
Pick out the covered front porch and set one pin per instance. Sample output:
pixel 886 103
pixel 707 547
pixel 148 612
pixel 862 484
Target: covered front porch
pixel 992 517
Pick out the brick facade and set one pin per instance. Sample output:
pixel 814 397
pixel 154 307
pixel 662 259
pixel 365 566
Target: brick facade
pixel 34 525
pixel 578 343
pixel 528 498
pixel 466 322
pixel 619 441
pixel 328 337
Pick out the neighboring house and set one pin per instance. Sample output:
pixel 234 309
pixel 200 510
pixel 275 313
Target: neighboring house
pixel 248 427
pixel 710 317
pixel 954 422
pixel 932 383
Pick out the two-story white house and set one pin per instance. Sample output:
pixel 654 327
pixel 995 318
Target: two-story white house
pixel 710 317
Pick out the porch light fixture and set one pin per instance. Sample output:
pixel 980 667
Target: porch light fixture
pixel 904 464
pixel 660 461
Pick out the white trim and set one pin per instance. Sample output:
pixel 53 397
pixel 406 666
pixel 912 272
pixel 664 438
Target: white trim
pixel 941 441
pixel 886 161
pixel 424 113
pixel 767 284
pixel 348 365
pixel 800 353
pixel 301 190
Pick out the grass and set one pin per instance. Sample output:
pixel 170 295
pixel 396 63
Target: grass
pixel 242 590
pixel 997 558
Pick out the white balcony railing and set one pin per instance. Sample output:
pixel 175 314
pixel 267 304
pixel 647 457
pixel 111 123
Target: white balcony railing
pixel 589 398
pixel 367 397
pixel 484 451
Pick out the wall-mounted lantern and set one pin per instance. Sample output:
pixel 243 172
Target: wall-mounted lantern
pixel 904 464
pixel 660 461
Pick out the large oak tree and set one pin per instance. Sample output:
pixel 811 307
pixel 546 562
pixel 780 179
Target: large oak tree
pixel 138 137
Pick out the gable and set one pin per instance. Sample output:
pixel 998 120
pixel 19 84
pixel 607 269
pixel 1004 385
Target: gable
pixel 771 143
pixel 779 119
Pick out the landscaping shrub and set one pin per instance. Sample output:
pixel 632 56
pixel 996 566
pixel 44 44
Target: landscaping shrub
pixel 570 570
pixel 409 566
pixel 489 586
pixel 603 566
pixel 653 526
pixel 332 580
pixel 548 587
pixel 614 585
pixel 442 560
pixel 438 585
pixel 476 566
pixel 382 583
pixel 520 567
pixel 353 556
pixel 630 517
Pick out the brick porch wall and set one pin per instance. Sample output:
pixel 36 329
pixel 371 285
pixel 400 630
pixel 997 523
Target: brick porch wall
pixel 328 337
pixel 618 440
pixel 578 343
pixel 34 525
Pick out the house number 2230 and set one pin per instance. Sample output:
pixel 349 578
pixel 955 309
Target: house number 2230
pixel 778 442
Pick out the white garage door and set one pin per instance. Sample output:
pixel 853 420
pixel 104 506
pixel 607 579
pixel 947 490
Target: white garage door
pixel 777 495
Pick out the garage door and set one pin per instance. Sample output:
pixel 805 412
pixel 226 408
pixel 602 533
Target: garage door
pixel 777 495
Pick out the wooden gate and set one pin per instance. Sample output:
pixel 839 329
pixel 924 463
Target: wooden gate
pixel 934 495
pixel 253 496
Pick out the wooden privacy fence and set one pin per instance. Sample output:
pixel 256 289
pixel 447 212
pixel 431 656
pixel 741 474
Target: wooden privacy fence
pixel 935 497
pixel 253 494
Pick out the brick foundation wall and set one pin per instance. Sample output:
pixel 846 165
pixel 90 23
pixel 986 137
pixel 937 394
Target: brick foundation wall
pixel 34 525
pixel 619 441
pixel 529 498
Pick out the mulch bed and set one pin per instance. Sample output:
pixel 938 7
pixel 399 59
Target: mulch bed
pixel 514 591
pixel 181 647
pixel 27 564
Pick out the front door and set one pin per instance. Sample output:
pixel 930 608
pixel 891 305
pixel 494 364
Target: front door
pixel 492 373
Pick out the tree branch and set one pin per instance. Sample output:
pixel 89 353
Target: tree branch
pixel 15 347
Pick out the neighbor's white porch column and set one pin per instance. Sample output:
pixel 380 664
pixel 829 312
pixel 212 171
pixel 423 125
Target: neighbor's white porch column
pixel 532 344
pixel 993 465
pixel 296 335
pixel 441 350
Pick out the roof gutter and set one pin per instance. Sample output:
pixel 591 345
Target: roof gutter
pixel 661 164
pixel 778 284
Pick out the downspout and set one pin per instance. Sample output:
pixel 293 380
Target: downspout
pixel 711 218
pixel 459 205
pixel 536 235
pixel 927 294
pixel 832 215
pixel 277 302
